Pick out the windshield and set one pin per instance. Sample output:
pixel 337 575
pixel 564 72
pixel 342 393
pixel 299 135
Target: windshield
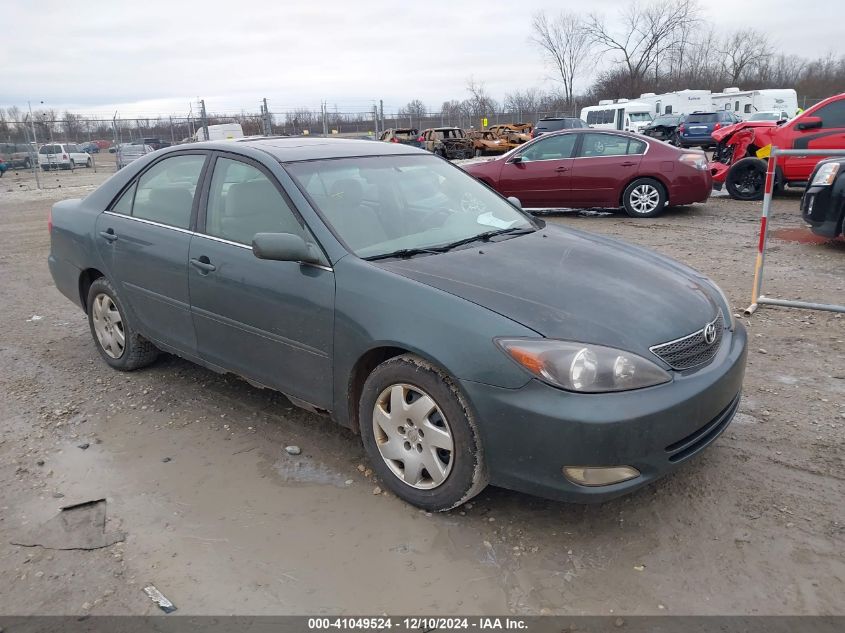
pixel 710 117
pixel 381 204
pixel 766 116
pixel 640 116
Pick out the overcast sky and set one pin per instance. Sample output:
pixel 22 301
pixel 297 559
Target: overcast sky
pixel 153 57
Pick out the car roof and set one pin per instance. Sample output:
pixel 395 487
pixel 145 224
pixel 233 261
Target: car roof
pixel 289 149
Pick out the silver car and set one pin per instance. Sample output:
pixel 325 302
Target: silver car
pixel 128 152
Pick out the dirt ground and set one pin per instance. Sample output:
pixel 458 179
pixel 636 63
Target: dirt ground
pixel 222 520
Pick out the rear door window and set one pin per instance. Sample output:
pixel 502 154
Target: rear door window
pixel 166 191
pixel 595 145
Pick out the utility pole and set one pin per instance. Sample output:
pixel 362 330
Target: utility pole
pixel 172 137
pixel 34 155
pixel 381 113
pixel 324 111
pixel 268 121
pixel 204 116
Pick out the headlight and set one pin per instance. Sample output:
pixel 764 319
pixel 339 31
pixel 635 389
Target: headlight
pixel 583 367
pixel 825 175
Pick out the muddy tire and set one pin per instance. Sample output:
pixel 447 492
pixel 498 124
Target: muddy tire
pixel 116 340
pixel 644 198
pixel 746 179
pixel 420 435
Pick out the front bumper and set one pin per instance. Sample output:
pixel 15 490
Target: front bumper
pixel 530 434
pixel 823 208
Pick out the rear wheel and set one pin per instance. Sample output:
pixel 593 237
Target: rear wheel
pixel 746 179
pixel 420 435
pixel 644 198
pixel 117 341
pixel 27 163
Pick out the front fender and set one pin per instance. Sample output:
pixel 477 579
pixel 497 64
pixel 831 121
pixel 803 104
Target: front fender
pixel 378 308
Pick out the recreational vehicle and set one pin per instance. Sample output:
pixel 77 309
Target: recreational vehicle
pixel 679 102
pixel 744 103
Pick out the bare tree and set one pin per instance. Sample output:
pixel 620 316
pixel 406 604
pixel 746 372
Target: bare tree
pixel 742 51
pixel 565 43
pixel 645 36
pixel 413 110
pixel 479 103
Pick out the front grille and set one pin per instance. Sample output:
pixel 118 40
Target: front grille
pixel 700 438
pixel 693 350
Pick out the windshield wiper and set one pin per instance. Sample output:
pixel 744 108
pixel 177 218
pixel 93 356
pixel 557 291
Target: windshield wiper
pixel 404 253
pixel 485 237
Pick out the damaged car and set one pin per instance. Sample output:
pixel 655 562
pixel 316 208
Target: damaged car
pixel 403 135
pixel 739 161
pixel 513 133
pixel 448 142
pixel 485 143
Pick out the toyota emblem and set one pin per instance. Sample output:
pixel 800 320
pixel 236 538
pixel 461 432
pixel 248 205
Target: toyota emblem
pixel 710 333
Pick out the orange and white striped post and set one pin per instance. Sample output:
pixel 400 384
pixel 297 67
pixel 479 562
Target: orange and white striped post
pixel 757 297
pixel 771 170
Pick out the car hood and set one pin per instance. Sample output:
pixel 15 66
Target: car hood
pixel 576 286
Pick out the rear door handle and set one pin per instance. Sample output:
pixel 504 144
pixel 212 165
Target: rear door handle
pixel 203 266
pixel 108 235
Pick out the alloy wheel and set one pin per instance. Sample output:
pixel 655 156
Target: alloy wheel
pixel 108 325
pixel 645 198
pixel 413 436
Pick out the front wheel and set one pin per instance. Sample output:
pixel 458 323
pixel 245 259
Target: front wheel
pixel 420 435
pixel 117 341
pixel 746 179
pixel 88 163
pixel 644 198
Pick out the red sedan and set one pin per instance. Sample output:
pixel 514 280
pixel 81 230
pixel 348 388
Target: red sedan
pixel 593 168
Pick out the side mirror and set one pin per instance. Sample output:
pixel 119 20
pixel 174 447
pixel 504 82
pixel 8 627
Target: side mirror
pixel 284 247
pixel 516 159
pixel 809 123
pixel 515 202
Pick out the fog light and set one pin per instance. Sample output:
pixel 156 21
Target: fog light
pixel 599 476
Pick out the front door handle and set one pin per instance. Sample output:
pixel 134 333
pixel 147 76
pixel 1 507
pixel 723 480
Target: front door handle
pixel 203 265
pixel 628 164
pixel 561 169
pixel 109 235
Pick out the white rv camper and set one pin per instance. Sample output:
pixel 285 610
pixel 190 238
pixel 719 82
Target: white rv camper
pixel 679 102
pixel 744 103
pixel 631 116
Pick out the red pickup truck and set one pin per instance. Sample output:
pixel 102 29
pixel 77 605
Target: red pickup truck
pixel 739 160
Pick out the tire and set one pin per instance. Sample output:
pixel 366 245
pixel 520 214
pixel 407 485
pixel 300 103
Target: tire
pixel 746 179
pixel 644 198
pixel 441 434
pixel 27 164
pixel 109 322
pixel 478 153
pixel 88 163
pixel 675 140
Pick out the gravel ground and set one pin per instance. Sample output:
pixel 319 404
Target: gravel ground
pixel 223 520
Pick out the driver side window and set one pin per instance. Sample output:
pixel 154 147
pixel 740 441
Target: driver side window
pixel 243 202
pixel 551 148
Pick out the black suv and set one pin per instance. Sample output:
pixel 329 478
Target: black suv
pixel 823 203
pixel 553 124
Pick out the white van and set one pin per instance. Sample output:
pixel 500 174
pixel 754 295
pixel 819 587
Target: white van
pixel 221 132
pixel 744 103
pixel 630 116
pixel 62 156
